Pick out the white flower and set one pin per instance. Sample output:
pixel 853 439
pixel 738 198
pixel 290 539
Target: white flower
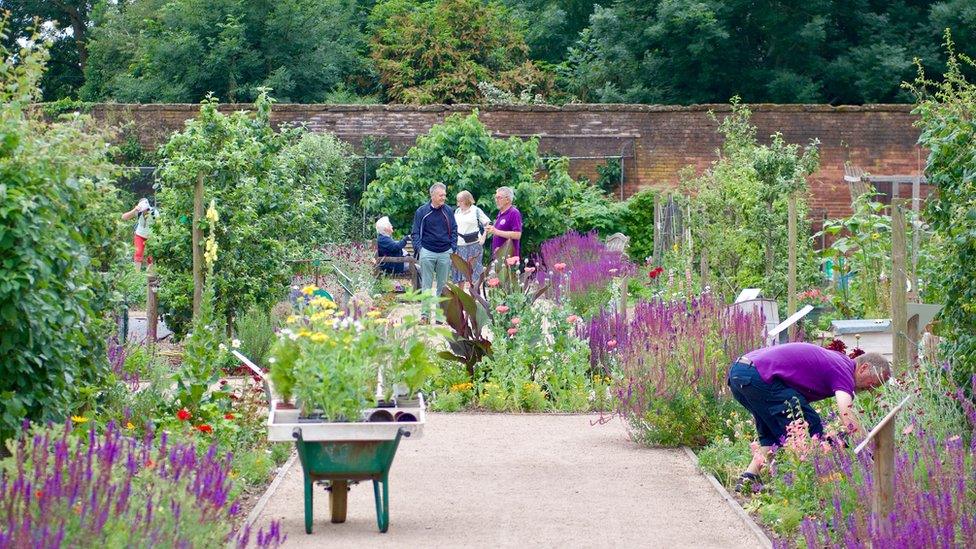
pixel 222 347
pixel 272 360
pixel 235 343
pixel 293 336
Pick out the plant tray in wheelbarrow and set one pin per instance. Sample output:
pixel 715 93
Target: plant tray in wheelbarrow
pixel 282 423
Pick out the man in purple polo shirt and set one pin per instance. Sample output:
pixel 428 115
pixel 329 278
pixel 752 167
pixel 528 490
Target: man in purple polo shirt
pixel 508 225
pixel 774 382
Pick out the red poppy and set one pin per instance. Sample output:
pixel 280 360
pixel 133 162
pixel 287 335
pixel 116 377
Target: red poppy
pixel 228 416
pixel 183 414
pixel 655 272
pixel 204 428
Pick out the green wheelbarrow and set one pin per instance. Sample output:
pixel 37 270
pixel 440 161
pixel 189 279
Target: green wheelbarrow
pixel 339 463
pixel 340 454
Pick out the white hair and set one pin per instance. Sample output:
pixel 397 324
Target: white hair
pixel 507 191
pixel 437 186
pixel 383 223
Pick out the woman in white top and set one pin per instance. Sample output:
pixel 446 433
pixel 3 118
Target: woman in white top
pixel 471 223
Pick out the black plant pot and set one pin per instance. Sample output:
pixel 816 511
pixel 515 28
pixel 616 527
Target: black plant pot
pixel 380 416
pixel 402 417
pixel 385 404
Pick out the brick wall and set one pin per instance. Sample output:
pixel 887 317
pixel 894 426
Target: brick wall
pixel 656 142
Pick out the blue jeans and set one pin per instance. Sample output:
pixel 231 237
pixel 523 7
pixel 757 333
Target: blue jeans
pixel 771 404
pixel 434 265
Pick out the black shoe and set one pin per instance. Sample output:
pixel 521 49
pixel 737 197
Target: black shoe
pixel 746 482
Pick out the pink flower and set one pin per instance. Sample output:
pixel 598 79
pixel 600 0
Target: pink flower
pixel 516 321
pixel 530 269
pixel 512 261
pixel 501 309
pixel 908 430
pixel 512 331
pixel 612 343
pixel 560 267
pixel 572 319
pixel 493 282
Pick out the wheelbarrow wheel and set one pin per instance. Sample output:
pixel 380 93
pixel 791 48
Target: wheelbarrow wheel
pixel 338 497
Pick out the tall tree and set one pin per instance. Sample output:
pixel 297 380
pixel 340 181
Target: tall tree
pixel 181 50
pixel 438 51
pixel 65 24
pixel 706 51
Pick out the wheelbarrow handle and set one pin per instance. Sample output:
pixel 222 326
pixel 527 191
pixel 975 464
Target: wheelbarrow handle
pixel 296 433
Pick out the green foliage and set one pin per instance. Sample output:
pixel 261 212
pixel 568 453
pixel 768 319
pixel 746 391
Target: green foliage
pixel 203 351
pixel 638 223
pixel 59 235
pixel 179 51
pixel 739 209
pixel 463 155
pixel 279 194
pixel 947 116
pixel 316 168
pixel 437 51
pixel 706 51
pixel 862 248
pixel 255 330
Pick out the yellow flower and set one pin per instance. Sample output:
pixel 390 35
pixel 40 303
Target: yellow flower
pixel 304 333
pixel 875 236
pixel 129 425
pixel 340 313
pixel 79 419
pixel 319 337
pixel 321 315
pixel 291 319
pixel 461 387
pixel 212 212
pixel 309 290
pixel 373 314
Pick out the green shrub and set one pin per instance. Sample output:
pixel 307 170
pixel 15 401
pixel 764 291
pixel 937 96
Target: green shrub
pixel 462 154
pixel 255 331
pixel 59 234
pixel 946 116
pixel 637 222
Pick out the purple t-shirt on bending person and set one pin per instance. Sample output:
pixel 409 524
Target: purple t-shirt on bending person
pixel 509 220
pixel 815 372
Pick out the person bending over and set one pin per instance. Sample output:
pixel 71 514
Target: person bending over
pixel 773 381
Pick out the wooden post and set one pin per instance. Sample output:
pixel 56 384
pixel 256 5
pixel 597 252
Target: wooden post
pixel 916 238
pixel 791 275
pixel 883 435
pixel 152 308
pixel 197 245
pixel 657 230
pixel 899 296
pixel 884 473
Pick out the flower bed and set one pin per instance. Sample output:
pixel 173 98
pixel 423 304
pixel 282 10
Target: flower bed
pixel 111 489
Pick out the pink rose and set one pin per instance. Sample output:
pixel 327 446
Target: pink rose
pixel 560 267
pixel 493 282
pixel 516 321
pixel 612 343
pixel 512 260
pixel 530 269
pixel 572 319
pixel 512 331
pixel 501 309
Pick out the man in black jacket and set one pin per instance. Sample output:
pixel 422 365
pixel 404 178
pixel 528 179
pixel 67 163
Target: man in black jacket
pixel 387 247
pixel 435 238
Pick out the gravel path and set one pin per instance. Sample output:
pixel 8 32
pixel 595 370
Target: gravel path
pixel 523 481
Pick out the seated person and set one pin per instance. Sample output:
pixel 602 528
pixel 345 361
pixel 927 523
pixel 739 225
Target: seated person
pixel 387 247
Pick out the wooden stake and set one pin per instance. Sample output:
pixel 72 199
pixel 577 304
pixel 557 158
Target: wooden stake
pixel 791 275
pixel 152 308
pixel 884 473
pixel 899 296
pixel 197 245
pixel 657 229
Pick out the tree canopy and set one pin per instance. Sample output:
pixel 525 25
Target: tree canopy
pixel 449 51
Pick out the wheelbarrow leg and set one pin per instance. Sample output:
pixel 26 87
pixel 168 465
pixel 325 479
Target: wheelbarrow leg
pixel 338 498
pixel 382 507
pixel 308 504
